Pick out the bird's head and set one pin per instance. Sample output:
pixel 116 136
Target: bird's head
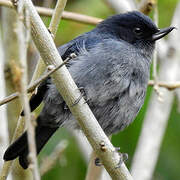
pixel 133 27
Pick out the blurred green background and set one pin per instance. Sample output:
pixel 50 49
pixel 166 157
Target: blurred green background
pixel 72 165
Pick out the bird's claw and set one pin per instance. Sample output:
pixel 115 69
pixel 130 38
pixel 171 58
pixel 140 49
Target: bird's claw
pixel 97 162
pixel 83 94
pixel 123 158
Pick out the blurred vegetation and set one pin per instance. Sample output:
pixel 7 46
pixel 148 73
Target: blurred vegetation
pixel 72 165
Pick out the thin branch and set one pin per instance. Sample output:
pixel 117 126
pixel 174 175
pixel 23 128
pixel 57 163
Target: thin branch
pixel 50 70
pixel 49 161
pixel 56 17
pixel 65 15
pixel 70 94
pixel 3 111
pixel 12 57
pixel 168 85
pixel 23 39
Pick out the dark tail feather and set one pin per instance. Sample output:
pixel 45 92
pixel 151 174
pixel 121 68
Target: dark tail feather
pixel 20 146
pixel 16 148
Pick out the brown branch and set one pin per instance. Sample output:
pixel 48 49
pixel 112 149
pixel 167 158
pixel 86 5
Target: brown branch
pixel 7 164
pixel 65 15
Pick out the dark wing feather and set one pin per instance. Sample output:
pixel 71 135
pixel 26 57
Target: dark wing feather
pixel 76 46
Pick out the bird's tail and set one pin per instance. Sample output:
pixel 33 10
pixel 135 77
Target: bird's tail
pixel 20 147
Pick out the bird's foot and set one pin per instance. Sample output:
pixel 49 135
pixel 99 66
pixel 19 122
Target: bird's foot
pixel 83 94
pixel 123 158
pixel 97 162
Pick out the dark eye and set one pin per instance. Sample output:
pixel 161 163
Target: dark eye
pixel 137 31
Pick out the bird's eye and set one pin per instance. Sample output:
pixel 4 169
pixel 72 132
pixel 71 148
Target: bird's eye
pixel 137 31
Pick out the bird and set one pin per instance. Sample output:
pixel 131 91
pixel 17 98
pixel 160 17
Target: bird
pixel 111 64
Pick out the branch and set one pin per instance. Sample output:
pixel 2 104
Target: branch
pixel 49 161
pixel 65 15
pixel 168 85
pixel 50 70
pixel 11 59
pixel 60 5
pixel 23 40
pixel 70 94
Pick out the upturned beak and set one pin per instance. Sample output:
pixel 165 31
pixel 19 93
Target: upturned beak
pixel 161 33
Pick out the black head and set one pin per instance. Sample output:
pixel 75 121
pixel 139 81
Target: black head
pixel 132 27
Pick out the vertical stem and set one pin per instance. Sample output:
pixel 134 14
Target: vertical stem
pixel 23 39
pixel 11 60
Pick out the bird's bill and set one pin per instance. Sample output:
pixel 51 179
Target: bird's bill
pixel 161 33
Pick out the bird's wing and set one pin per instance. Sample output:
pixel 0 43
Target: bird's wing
pixel 104 71
pixel 77 46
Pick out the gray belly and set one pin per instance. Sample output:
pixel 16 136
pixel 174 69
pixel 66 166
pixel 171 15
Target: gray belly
pixel 119 112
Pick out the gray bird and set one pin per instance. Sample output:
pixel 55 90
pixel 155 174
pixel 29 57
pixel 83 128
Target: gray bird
pixel 112 65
